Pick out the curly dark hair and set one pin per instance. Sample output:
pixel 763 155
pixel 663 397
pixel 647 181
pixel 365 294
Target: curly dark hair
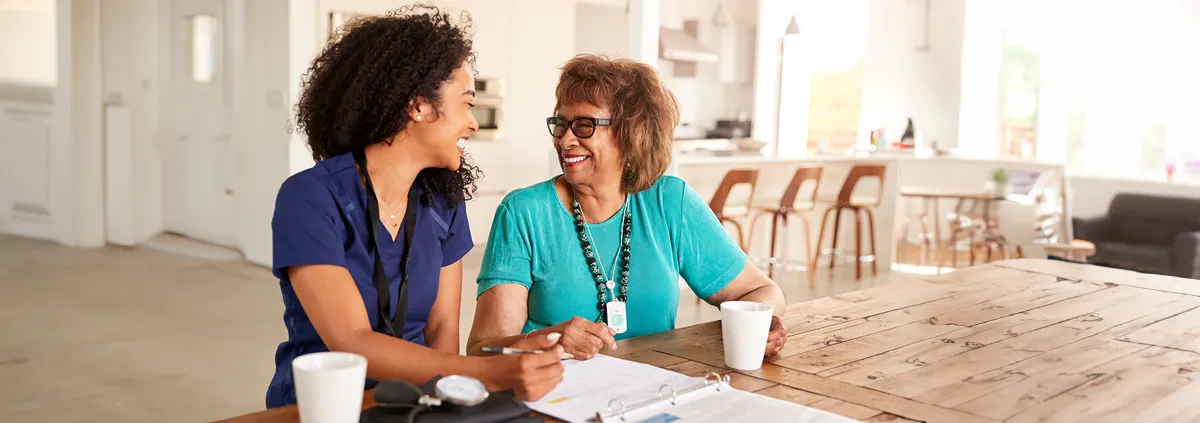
pixel 358 90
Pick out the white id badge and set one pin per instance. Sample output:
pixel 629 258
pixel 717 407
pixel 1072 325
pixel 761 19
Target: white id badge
pixel 616 316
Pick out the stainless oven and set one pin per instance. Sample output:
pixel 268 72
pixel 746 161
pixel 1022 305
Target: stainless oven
pixel 489 104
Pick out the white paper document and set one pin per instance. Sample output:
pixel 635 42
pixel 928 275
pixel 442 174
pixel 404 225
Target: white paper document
pixel 589 387
pixel 731 405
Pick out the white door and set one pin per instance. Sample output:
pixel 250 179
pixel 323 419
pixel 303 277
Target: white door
pixel 198 163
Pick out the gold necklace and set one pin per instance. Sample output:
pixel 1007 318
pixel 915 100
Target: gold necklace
pixel 391 216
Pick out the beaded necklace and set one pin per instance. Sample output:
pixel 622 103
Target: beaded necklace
pixel 604 283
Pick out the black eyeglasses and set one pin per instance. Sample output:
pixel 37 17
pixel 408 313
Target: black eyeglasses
pixel 582 127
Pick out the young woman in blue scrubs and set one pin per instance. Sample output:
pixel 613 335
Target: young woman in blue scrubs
pixel 379 223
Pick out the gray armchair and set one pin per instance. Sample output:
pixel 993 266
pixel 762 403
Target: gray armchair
pixel 1146 233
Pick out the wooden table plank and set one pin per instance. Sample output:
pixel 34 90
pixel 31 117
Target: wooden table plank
pixel 1124 388
pixel 841 354
pixel 1179 332
pixel 791 395
pixel 923 354
pixel 655 358
pixel 1030 382
pixel 863 396
pixel 913 383
pixel 828 311
pixel 1091 273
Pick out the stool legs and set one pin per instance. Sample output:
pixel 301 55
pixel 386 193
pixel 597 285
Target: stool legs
pixel 837 222
pixel 775 217
pixel 815 254
pixel 857 243
pixel 871 228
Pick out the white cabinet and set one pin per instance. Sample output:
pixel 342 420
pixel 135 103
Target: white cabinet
pixel 736 50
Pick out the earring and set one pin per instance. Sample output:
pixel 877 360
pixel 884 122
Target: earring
pixel 418 118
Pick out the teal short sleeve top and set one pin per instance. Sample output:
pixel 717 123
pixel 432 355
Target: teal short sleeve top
pixel 534 243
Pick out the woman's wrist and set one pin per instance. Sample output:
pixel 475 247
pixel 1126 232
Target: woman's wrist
pixel 476 367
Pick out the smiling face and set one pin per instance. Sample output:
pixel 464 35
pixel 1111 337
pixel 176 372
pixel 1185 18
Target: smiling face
pixel 442 133
pixel 593 160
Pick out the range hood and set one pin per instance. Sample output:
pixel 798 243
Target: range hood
pixel 681 45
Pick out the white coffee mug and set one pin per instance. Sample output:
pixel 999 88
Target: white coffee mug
pixel 329 386
pixel 745 326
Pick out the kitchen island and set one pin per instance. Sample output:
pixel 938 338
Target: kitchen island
pixel 705 171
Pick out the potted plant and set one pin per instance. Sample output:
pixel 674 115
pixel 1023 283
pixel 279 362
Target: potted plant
pixel 1000 183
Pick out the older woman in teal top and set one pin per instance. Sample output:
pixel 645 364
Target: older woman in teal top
pixel 610 234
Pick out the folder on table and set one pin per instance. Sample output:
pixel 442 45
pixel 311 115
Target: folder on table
pixel 607 389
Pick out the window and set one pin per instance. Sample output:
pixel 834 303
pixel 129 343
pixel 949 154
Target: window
pixel 1112 94
pixel 204 48
pixel 822 77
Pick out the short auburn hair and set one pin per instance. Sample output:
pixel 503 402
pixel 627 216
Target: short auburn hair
pixel 644 111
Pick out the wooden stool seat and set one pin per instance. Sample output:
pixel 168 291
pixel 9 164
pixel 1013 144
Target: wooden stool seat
pixel 859 205
pixel 771 204
pixel 788 205
pixel 855 201
pixel 725 213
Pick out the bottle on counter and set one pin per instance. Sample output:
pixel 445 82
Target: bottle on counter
pixel 909 139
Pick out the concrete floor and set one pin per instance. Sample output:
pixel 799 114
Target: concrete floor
pixel 178 331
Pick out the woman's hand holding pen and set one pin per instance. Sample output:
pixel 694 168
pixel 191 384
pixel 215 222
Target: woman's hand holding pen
pixel 530 375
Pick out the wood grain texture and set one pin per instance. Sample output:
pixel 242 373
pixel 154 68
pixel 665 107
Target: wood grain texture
pixel 1179 332
pixel 1015 341
pixel 863 396
pixel 1099 274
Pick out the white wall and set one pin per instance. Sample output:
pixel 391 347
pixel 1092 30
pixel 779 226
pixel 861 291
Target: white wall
pixel 79 123
pixel 704 98
pixel 265 156
pixel 131 30
pixel 900 81
pixel 601 29
pixel 27 42
pixel 28 71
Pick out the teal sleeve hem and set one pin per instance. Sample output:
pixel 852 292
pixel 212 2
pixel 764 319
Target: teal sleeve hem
pixel 723 281
pixel 485 285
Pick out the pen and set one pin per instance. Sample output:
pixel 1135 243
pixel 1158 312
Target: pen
pixel 511 351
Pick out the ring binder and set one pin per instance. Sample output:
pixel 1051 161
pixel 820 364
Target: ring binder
pixel 674 395
pixel 713 380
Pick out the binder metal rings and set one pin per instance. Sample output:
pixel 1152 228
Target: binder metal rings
pixel 619 402
pixel 674 394
pixel 717 378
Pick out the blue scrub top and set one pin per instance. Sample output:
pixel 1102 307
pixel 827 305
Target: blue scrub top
pixel 320 218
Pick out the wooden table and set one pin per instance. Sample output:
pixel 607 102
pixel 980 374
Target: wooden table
pixel 930 197
pixel 1077 249
pixel 1016 341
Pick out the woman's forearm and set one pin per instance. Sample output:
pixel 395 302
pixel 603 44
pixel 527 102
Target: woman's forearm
pixel 768 294
pixel 390 358
pixel 443 338
pixel 476 348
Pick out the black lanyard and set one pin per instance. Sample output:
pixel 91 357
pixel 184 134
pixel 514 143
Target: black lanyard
pixel 396 323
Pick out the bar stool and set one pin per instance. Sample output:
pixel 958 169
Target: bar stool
pixel 787 206
pixel 858 205
pixel 732 179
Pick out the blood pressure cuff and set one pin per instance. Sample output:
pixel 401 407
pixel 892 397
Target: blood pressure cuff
pixel 500 407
